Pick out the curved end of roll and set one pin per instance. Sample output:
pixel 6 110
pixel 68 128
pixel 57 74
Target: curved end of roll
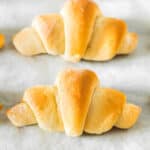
pixel 129 116
pixel 28 43
pixel 129 44
pixel 74 58
pixel 21 115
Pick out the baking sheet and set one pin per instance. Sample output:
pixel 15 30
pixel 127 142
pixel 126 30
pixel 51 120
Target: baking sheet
pixel 130 74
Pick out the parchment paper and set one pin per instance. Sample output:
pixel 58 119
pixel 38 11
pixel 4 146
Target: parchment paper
pixel 130 74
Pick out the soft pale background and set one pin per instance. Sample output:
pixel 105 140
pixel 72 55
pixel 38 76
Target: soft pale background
pixel 130 74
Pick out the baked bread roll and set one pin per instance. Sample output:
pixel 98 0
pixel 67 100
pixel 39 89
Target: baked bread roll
pixel 80 31
pixel 2 40
pixel 1 107
pixel 75 104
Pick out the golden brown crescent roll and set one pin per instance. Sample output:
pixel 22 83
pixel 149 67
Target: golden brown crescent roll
pixel 75 104
pixel 2 40
pixel 80 31
pixel 1 106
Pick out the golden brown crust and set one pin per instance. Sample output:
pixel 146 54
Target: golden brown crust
pixel 107 37
pixel 28 42
pixel 50 27
pixel 82 32
pixel 129 116
pixel 105 109
pixel 129 43
pixel 41 100
pixel 2 40
pixel 75 89
pixel 79 19
pixel 75 104
pixel 1 107
pixel 21 115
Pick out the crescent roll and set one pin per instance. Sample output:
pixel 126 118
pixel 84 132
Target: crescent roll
pixel 80 31
pixel 75 104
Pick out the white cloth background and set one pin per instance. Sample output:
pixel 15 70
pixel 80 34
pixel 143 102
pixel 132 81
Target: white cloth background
pixel 130 74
